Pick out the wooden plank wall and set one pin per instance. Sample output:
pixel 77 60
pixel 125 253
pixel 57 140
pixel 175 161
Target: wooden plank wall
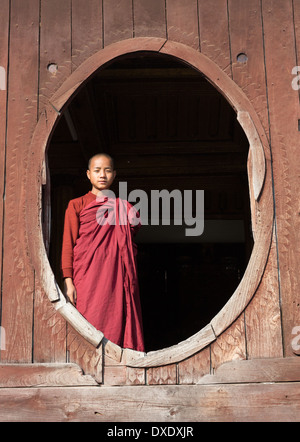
pixel 34 34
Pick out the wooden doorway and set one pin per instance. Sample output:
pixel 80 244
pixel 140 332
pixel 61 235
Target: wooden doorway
pixel 167 128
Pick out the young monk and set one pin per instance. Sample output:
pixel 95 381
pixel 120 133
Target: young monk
pixel 98 258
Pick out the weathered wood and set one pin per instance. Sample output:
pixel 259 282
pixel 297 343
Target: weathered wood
pixel 43 375
pixel 263 316
pixel 80 324
pixel 18 276
pixel 246 37
pixel 255 370
pixel 44 273
pixel 182 22
pixel 165 375
pixel 84 354
pixel 116 371
pixel 83 115
pixel 55 20
pixel 4 36
pixel 122 375
pixel 256 305
pixel 214 37
pixel 279 41
pixel 230 345
pixel 86 16
pixel 184 403
pixel 97 60
pixel 117 21
pixel 149 18
pixel 191 370
pixel 177 352
pixel 257 161
pixel 49 339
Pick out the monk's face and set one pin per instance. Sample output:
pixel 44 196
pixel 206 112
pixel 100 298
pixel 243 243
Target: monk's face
pixel 101 173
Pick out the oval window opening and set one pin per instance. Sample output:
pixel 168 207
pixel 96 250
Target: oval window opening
pixel 167 128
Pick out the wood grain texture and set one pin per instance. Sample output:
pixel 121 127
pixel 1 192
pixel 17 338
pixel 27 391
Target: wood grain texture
pixel 43 375
pixel 90 65
pixel 280 56
pixel 86 16
pixel 149 18
pixel 177 352
pixel 4 38
pixel 256 157
pixel 117 21
pixel 18 279
pixel 55 21
pixel 250 324
pixel 185 403
pixel 182 22
pixel 255 370
pixel 49 333
pixel 246 37
pixel 214 36
pixel 263 316
pixel 191 370
pixel 165 375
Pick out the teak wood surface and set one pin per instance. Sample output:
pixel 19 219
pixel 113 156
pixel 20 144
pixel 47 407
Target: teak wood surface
pixel 259 320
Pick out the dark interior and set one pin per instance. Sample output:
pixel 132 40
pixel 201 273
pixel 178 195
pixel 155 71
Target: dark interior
pixel 168 128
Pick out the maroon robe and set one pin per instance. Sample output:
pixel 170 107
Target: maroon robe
pixel 104 271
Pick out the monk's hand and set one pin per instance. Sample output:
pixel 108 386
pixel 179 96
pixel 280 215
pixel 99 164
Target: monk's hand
pixel 70 291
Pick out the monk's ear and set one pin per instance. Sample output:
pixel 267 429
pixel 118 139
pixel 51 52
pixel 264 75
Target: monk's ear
pixel 115 173
pixel 88 174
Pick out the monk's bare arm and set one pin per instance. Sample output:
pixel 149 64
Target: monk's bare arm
pixel 70 235
pixel 70 291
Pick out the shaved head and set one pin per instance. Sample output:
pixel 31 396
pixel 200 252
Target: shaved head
pixel 101 154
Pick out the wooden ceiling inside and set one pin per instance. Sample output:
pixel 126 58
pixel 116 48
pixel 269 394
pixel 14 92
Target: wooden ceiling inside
pixel 166 126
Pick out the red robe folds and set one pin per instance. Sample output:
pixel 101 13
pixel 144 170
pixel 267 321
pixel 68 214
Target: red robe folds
pixel 104 270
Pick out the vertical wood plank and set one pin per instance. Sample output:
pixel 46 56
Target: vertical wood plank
pixel 149 18
pixel 4 39
pixel 246 39
pixel 89 358
pixel 117 21
pixel 192 369
pixel 214 36
pixel 18 276
pixel 279 41
pixel 262 316
pixel 55 47
pixel 49 327
pixel 87 30
pixel 230 345
pixel 49 330
pixel 245 28
pixel 182 22
pixel 165 375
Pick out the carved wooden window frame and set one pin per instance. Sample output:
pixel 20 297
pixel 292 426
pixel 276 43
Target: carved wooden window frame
pixel 260 185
